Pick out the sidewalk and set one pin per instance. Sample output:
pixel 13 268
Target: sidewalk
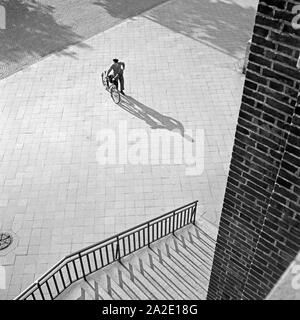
pixel 37 28
pixel 54 195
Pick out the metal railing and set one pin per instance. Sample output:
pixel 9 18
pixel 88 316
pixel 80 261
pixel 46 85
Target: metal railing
pixel 82 263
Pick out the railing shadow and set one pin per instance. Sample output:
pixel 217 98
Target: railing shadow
pixel 82 263
pixel 184 280
pixel 132 272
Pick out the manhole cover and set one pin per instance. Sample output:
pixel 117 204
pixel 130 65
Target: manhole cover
pixel 5 240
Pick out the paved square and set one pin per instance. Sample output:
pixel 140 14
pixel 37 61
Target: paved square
pixel 182 62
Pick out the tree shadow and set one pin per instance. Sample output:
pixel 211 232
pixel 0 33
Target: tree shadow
pixel 153 118
pixel 31 31
pixel 125 9
pixel 224 25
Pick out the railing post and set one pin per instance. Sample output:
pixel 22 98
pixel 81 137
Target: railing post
pixel 148 230
pixel 118 255
pixel 194 213
pixel 82 267
pixel 173 225
pixel 41 291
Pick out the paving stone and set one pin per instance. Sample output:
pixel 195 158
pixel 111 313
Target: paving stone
pixel 179 74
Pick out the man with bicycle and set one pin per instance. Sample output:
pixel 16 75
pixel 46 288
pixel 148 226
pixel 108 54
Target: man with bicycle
pixel 118 68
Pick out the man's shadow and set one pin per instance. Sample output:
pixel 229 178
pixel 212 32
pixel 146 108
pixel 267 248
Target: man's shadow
pixel 153 118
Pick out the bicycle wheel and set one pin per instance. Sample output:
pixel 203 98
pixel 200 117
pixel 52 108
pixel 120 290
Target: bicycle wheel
pixel 115 95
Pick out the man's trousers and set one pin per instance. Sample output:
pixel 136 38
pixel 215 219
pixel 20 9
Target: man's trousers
pixel 121 80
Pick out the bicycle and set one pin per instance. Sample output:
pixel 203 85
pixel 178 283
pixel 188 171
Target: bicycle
pixel 111 87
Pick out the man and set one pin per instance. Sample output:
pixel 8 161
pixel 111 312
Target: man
pixel 118 68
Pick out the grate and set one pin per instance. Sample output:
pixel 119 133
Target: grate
pixel 5 240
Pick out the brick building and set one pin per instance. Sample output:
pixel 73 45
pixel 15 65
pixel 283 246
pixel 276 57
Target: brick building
pixel 259 233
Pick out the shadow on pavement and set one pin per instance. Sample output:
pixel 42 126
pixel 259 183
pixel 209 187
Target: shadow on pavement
pixel 153 118
pixel 127 8
pixel 36 28
pixel 224 25
pixel 32 31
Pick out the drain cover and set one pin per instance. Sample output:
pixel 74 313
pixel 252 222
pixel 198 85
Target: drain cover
pixel 5 240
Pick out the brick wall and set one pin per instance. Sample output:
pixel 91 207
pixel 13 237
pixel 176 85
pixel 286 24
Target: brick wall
pixel 259 233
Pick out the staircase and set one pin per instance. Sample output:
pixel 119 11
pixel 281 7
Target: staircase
pixel 166 258
pixel 176 267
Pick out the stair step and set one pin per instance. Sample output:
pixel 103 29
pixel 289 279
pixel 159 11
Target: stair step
pixel 204 248
pixel 83 296
pixel 103 295
pixel 138 280
pixel 87 291
pixel 74 292
pixel 191 282
pixel 94 291
pixel 97 290
pixel 107 283
pixel 161 284
pixel 204 232
pixel 193 260
pixel 156 279
pixel 177 283
pixel 133 268
pixel 191 251
pixel 203 252
pixel 122 292
pixel 119 274
pixel 176 267
pixel 189 265
pixel 116 289
pixel 178 261
pixel 201 244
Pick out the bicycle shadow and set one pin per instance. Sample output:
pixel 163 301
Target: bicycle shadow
pixel 153 118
